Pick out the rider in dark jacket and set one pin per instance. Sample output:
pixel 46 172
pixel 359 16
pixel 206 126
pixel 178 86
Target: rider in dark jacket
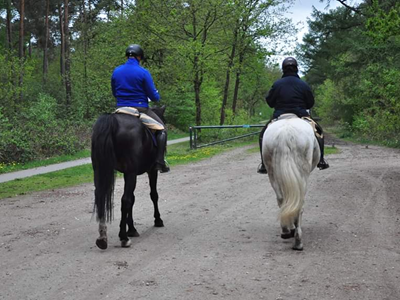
pixel 133 86
pixel 291 95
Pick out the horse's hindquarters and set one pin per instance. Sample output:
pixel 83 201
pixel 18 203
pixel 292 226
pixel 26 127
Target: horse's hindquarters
pixel 289 154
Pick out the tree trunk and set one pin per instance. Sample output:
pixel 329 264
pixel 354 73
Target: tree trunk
pixel 228 74
pixel 21 47
pixel 235 93
pixel 68 89
pixel 21 29
pixel 8 25
pixel 197 88
pixel 85 51
pixel 45 50
pixel 237 82
pixel 62 41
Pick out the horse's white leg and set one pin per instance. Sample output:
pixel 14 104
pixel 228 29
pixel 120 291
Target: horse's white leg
pixel 101 242
pixel 287 233
pixel 298 245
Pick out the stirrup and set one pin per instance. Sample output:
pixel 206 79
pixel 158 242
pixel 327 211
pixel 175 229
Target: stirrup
pixel 322 165
pixel 261 169
pixel 162 167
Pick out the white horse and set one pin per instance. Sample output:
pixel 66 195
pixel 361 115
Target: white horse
pixel 290 152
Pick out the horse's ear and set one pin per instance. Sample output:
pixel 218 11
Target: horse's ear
pixel 162 109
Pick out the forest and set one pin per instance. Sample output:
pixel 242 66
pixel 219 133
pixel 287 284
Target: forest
pixel 211 60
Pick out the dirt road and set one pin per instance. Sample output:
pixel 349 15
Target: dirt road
pixel 221 236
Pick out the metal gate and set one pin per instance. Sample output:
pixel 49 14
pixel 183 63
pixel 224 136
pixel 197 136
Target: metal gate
pixel 194 136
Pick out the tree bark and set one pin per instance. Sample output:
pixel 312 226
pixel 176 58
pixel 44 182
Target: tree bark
pixel 8 25
pixel 228 74
pixel 237 82
pixel 62 46
pixel 21 47
pixel 46 42
pixel 68 88
pixel 21 29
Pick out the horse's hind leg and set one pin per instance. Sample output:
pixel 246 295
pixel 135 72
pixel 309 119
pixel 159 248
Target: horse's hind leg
pixel 298 244
pixel 101 242
pixel 127 202
pixel 287 233
pixel 153 175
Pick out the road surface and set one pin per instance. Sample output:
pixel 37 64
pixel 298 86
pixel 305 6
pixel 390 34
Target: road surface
pixel 221 238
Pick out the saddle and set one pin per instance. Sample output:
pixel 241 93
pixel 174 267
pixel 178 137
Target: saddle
pixel 317 129
pixel 146 120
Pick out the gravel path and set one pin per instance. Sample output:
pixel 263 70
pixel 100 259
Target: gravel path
pixel 221 238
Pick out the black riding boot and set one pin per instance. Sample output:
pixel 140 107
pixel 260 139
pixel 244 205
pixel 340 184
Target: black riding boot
pixel 261 168
pixel 161 164
pixel 322 163
pixel 320 138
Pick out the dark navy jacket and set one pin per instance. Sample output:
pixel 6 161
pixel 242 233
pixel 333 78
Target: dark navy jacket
pixel 132 85
pixel 290 95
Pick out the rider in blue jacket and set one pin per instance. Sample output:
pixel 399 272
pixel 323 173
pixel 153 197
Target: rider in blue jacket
pixel 291 95
pixel 133 86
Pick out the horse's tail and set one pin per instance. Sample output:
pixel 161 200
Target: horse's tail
pixel 103 162
pixel 292 181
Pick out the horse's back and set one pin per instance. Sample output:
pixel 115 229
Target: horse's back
pixel 292 138
pixel 134 145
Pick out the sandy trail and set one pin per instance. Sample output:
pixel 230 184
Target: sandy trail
pixel 221 238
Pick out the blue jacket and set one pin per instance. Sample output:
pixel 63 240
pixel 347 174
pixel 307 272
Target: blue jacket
pixel 290 95
pixel 132 85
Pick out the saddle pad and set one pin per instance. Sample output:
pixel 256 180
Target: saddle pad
pixel 147 120
pixel 314 126
pixel 128 110
pixel 307 119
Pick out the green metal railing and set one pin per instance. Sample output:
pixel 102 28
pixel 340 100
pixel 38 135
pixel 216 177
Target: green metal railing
pixel 194 135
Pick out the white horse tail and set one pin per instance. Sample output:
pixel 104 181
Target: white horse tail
pixel 290 152
pixel 292 181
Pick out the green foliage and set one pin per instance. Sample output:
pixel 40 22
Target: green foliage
pixel 354 66
pixel 188 48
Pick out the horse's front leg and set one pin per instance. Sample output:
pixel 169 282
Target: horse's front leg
pixel 153 176
pixel 127 201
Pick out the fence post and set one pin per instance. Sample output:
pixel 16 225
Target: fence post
pixel 195 138
pixel 191 137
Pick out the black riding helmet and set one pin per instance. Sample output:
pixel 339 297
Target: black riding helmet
pixel 134 50
pixel 289 63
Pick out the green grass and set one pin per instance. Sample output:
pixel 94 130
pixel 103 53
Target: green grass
pixel 177 154
pixel 331 150
pixel 41 163
pixel 59 179
pixel 177 135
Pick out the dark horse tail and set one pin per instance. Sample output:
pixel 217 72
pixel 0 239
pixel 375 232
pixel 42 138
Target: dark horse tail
pixel 103 162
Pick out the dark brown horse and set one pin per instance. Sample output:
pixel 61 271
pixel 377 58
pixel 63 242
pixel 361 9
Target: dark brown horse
pixel 121 142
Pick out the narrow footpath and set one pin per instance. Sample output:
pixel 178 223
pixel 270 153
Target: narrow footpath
pixel 61 166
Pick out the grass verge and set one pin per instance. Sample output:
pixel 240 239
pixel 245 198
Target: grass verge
pixel 41 163
pixel 177 154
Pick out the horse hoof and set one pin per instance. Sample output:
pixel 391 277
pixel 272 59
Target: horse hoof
pixel 101 243
pixel 133 233
pixel 288 235
pixel 158 223
pixel 297 248
pixel 126 244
